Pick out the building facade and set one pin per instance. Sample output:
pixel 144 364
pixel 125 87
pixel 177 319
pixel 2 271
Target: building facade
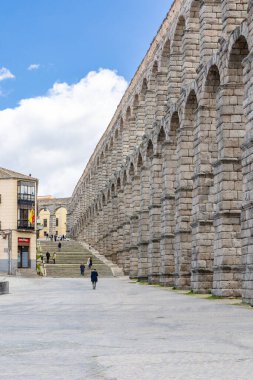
pixel 18 204
pixel 168 191
pixel 52 214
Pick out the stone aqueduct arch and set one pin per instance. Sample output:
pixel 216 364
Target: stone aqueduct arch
pixel 168 191
pixel 52 205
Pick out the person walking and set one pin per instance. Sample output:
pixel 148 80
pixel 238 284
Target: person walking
pixel 82 269
pixel 59 246
pixel 89 262
pixel 54 257
pixel 94 278
pixel 48 257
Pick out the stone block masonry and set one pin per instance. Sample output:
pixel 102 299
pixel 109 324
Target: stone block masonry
pixel 168 192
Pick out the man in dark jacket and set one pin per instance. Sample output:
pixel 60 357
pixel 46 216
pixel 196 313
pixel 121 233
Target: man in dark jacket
pixel 94 278
pixel 48 257
pixel 82 269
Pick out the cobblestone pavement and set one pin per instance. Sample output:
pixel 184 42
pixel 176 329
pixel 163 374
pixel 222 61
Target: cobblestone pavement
pixel 62 329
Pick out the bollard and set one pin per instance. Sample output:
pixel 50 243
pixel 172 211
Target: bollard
pixel 4 287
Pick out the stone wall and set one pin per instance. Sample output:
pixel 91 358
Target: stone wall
pixel 168 191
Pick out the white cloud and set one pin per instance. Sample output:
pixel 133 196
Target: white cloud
pixel 5 74
pixel 53 136
pixel 33 66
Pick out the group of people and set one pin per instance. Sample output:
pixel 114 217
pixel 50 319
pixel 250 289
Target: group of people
pixel 93 274
pixel 55 237
pixel 82 266
pixel 48 255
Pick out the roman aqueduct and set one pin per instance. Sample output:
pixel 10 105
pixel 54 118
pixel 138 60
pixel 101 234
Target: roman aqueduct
pixel 168 191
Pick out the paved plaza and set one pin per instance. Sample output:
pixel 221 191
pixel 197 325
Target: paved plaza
pixel 62 329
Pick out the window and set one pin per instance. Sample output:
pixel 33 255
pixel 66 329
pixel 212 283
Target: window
pixel 44 222
pixel 57 222
pixel 26 192
pixel 26 205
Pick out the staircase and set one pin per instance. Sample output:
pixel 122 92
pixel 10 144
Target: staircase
pixel 70 257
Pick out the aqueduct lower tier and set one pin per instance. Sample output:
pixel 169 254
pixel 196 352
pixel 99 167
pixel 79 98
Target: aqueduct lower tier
pixel 168 191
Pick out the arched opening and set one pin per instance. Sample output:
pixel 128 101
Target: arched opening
pixel 113 190
pixel 140 161
pixel 136 100
pixel 128 113
pixel 131 170
pixel 150 149
pixel 165 57
pixel 124 178
pixel 161 136
pixel 210 117
pixel 183 202
pixel 144 87
pixel 118 184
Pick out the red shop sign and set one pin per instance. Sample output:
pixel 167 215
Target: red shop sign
pixel 24 240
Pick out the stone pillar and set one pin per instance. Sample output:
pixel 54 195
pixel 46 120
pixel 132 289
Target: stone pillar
pixel 210 28
pixel 140 120
pixel 125 139
pixel 169 163
pixel 114 227
pixel 143 224
pixel 110 228
pixel 183 237
pixel 205 152
pixel 114 154
pixel 176 63
pixel 107 248
pixel 134 222
pixel 149 110
pixel 126 226
pixel 228 184
pixel 52 223
pixel 191 47
pixel 161 95
pixel 132 134
pixel 121 213
pixel 233 13
pixel 155 219
pixel 109 162
pixel 119 150
pixel 247 163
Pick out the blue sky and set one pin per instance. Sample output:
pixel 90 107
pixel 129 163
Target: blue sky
pixel 55 101
pixel 69 38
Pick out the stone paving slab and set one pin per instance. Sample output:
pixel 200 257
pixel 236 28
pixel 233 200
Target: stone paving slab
pixel 62 329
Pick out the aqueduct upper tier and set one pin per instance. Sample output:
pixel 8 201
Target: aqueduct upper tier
pixel 168 191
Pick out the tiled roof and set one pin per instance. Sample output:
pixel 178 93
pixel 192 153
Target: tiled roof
pixel 7 174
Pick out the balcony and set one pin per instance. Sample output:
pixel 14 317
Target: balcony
pixel 26 199
pixel 25 225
